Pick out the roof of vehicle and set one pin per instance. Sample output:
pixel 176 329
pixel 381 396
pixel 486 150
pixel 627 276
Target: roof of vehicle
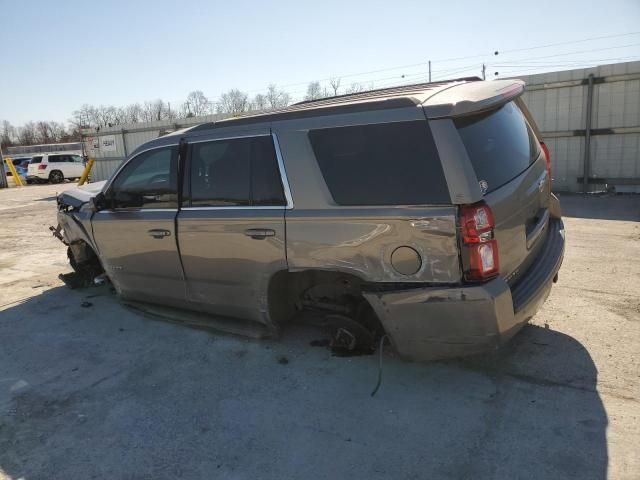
pixel 384 98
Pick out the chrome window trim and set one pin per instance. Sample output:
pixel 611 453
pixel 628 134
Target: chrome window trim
pixel 130 210
pixel 283 173
pixel 232 137
pixel 237 207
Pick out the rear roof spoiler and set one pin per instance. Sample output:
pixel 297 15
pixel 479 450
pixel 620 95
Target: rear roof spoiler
pixel 471 97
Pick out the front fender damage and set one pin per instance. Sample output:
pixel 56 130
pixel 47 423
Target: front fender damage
pixel 73 230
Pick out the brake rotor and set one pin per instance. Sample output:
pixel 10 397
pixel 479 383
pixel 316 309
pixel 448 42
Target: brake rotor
pixel 348 334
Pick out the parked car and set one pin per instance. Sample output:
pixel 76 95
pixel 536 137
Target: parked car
pixel 20 165
pixel 17 162
pixel 55 167
pixel 424 213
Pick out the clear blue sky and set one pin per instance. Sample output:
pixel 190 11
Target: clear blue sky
pixel 58 55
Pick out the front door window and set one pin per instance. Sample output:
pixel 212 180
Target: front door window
pixel 148 181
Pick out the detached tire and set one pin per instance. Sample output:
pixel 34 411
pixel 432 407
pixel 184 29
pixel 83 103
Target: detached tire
pixel 56 176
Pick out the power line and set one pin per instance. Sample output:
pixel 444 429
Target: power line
pixel 570 42
pixel 452 59
pixel 476 67
pixel 533 63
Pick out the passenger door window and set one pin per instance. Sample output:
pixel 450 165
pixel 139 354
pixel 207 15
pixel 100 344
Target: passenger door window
pixel 234 172
pixel 147 181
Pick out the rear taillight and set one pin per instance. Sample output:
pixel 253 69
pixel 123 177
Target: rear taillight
pixel 547 157
pixel 42 167
pixel 479 247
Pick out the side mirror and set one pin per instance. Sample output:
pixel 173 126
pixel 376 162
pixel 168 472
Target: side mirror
pixel 99 202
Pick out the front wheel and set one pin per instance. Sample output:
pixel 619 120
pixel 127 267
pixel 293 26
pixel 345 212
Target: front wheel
pixel 56 177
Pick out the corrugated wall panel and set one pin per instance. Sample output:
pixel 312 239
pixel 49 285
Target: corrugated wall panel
pixel 135 139
pixel 615 156
pixel 103 168
pixel 566 154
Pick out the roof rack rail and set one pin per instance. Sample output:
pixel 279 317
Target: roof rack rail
pixel 393 97
pixel 383 92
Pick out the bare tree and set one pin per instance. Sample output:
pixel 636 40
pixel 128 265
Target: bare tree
pixel 234 101
pixel 170 114
pixel 277 98
pixel 119 116
pixel 259 102
pixel 27 134
pixel 154 110
pixel 133 113
pixel 159 110
pixel 58 131
pixel 314 91
pixel 355 88
pixel 83 117
pixel 196 104
pixel 185 112
pixel 335 84
pixel 8 134
pixel 43 132
pixel 106 116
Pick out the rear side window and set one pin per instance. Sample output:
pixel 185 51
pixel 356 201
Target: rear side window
pixel 36 160
pixel 65 159
pixel 500 144
pixel 381 164
pixel 234 172
pixel 220 173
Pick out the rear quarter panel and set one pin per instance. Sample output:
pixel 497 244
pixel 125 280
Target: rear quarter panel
pixel 359 240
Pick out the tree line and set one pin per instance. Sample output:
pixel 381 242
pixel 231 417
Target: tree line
pixel 232 102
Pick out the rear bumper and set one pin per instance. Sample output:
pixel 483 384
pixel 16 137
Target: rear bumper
pixel 431 323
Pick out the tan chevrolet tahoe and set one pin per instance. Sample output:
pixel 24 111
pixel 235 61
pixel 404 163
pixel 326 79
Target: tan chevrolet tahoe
pixel 422 212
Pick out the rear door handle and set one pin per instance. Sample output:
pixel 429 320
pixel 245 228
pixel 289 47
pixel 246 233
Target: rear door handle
pixel 259 233
pixel 159 233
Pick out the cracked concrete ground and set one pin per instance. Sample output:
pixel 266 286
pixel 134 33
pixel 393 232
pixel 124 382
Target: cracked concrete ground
pixel 103 392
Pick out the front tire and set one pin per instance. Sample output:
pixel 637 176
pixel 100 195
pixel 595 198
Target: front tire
pixel 56 176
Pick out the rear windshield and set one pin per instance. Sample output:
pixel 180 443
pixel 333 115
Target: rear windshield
pixel 36 160
pixel 381 164
pixel 499 143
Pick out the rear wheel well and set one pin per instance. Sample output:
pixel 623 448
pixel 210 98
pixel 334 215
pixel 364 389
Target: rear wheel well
pixel 324 298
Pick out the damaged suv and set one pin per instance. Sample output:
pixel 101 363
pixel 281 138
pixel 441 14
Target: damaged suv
pixel 423 212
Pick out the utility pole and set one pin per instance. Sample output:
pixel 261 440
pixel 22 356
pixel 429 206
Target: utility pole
pixel 429 71
pixel 484 69
pixel 3 173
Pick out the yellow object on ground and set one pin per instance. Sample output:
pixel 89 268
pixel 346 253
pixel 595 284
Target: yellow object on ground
pixel 85 174
pixel 16 177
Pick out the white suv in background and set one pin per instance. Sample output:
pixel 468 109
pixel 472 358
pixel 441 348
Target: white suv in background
pixel 55 167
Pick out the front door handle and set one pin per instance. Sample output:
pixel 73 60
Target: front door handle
pixel 159 233
pixel 259 233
